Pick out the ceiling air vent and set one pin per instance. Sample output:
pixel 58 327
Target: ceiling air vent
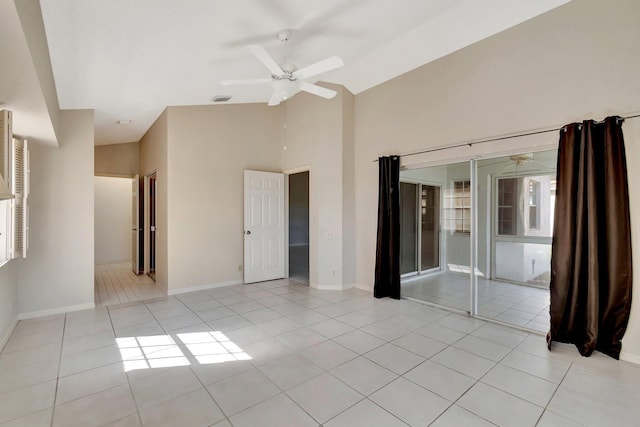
pixel 221 98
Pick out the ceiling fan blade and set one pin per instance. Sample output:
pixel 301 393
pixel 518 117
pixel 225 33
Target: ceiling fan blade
pixel 320 67
pixel 275 99
pixel 245 82
pixel 317 90
pixel 266 59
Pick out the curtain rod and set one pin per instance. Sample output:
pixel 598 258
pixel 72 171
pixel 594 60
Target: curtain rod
pixel 500 138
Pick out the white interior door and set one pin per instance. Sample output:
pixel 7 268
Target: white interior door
pixel 263 226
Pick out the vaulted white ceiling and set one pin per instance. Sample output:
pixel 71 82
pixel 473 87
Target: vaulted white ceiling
pixel 128 60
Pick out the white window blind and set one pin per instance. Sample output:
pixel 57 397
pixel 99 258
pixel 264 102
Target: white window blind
pixel 6 134
pixel 5 205
pixel 14 213
pixel 20 189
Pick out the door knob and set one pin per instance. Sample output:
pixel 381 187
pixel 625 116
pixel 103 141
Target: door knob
pixel 248 232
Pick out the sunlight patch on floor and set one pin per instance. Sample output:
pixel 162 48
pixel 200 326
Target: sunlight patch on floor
pixel 162 351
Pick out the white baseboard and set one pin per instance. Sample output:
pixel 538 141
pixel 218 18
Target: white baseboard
pixel 113 262
pixel 328 287
pixel 204 287
pixel 363 287
pixel 628 357
pixel 7 335
pixel 52 311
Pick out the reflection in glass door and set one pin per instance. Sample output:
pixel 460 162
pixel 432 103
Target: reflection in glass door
pixel 494 221
pixel 443 203
pixel 430 227
pixel 516 202
pixel 419 228
pixel 408 228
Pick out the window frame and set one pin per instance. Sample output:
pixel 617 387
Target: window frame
pixel 459 212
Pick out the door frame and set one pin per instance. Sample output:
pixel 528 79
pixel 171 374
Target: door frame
pixel 287 172
pixel 147 221
pixel 137 227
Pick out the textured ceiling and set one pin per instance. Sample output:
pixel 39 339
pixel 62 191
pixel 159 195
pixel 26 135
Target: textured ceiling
pixel 128 60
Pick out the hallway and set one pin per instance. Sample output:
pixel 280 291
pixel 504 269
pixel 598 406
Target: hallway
pixel 116 284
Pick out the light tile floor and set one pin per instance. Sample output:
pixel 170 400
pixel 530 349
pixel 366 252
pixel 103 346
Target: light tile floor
pixel 518 305
pixel 117 284
pixel 282 354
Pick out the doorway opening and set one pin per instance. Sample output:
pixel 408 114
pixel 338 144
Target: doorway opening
pixel 137 225
pixel 151 270
pixel 299 227
pixel 118 256
pixel 112 220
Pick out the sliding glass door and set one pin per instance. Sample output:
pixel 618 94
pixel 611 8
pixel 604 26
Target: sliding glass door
pixel 516 201
pixel 482 229
pixel 441 202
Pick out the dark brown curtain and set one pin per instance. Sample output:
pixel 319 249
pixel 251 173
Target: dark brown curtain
pixel 387 280
pixel 591 252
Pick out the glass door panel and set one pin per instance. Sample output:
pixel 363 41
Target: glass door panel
pixel 408 228
pixel 430 227
pixel 445 219
pixel 516 199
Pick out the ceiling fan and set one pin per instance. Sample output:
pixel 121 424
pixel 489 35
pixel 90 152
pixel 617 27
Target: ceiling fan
pixel 288 79
pixel 527 163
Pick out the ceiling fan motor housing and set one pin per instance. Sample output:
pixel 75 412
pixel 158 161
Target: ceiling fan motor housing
pixel 287 73
pixel 284 35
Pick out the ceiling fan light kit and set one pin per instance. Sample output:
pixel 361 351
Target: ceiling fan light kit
pixel 288 79
pixel 522 159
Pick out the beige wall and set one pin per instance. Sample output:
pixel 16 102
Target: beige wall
pixel 348 192
pixel 58 274
pixel 153 157
pixel 117 159
pixel 579 61
pixel 8 300
pixel 317 137
pixel 209 148
pixel 113 221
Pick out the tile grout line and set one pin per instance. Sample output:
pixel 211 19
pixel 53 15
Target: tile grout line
pixel 554 393
pixel 55 395
pixel 125 374
pixel 190 365
pixel 256 367
pixel 511 394
pixel 309 305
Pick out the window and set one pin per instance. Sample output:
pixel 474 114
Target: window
pixel 534 195
pixel 525 206
pixel 5 248
pixel 507 206
pixel 5 172
pixel 14 213
pixel 458 207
